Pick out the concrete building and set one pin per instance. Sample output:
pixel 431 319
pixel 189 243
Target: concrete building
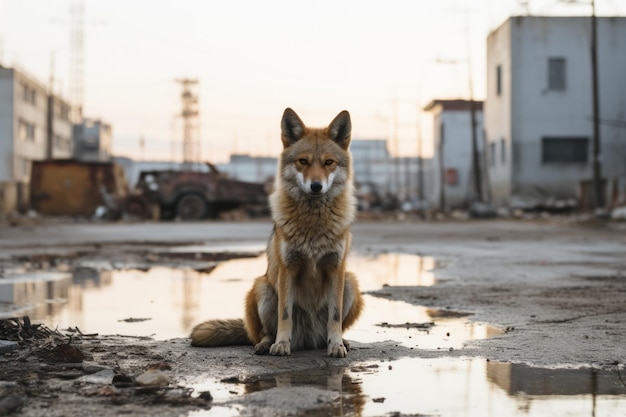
pixel 372 165
pixel 393 180
pixel 538 110
pixel 92 141
pixel 452 169
pixel 33 125
pixel 249 168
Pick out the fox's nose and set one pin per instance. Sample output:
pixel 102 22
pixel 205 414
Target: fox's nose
pixel 316 186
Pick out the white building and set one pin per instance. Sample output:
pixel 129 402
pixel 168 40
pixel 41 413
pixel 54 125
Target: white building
pixel 250 169
pixel 92 140
pixel 371 162
pixel 538 110
pixel 452 168
pixel 33 125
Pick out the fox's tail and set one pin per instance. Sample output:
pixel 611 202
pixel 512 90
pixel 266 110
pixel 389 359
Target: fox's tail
pixel 220 333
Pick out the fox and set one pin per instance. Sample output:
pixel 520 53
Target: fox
pixel 306 299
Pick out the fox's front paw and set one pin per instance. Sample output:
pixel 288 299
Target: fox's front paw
pixel 337 350
pixel 280 349
pixel 262 348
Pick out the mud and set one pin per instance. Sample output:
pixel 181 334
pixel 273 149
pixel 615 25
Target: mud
pixel 553 290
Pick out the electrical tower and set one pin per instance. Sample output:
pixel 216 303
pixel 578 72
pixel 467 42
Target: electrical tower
pixel 77 23
pixel 189 114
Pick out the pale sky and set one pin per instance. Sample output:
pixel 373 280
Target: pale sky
pixel 381 60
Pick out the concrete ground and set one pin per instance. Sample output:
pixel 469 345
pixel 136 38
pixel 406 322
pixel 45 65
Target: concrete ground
pixel 555 288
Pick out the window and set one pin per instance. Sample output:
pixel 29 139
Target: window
pixel 556 74
pixel 26 131
pixel 61 143
pixel 23 167
pixel 29 94
pixel 503 151
pixel 493 154
pixel 568 150
pixel 499 80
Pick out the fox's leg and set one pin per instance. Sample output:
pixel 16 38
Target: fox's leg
pixel 332 266
pixel 352 303
pixel 282 345
pixel 261 315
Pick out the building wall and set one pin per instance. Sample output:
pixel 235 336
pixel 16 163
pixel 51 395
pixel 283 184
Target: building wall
pixel 250 169
pixel 61 130
pixel 6 124
pixel 457 179
pixel 92 141
pixel 538 111
pixel 24 125
pixel 372 165
pixel 498 114
pixel 29 118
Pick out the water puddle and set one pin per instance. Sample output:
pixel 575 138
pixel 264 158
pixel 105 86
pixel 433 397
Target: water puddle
pixel 165 302
pixel 453 387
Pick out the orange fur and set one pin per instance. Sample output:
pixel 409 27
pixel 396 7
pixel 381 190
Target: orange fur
pixel 306 298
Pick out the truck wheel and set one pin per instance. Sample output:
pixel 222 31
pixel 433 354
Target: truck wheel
pixel 137 207
pixel 191 207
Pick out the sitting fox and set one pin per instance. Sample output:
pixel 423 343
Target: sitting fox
pixel 306 299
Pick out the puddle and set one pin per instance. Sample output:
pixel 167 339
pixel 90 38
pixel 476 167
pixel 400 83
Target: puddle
pixel 166 303
pixel 450 387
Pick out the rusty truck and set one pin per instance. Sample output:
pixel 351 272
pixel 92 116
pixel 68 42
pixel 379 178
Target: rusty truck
pixel 192 195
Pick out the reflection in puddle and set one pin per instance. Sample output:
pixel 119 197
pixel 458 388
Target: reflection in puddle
pixel 176 299
pixel 450 387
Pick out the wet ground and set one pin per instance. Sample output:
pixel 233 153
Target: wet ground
pixel 463 318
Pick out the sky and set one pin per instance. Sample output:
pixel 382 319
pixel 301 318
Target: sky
pixel 381 60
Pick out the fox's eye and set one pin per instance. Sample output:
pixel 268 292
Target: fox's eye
pixel 303 161
pixel 328 162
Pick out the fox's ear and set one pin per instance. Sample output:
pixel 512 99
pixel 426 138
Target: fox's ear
pixel 340 129
pixel 292 128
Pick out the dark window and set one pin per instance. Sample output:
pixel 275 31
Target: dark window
pixel 499 80
pixel 556 74
pixel 493 154
pixel 503 151
pixel 564 150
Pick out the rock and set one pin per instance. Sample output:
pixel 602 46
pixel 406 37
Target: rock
pixel 11 404
pixel 482 211
pixel 619 213
pixel 64 354
pixel 152 377
pixel 103 377
pixel 7 346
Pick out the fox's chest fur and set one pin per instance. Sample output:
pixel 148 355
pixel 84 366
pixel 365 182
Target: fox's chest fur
pixel 314 226
pixel 311 234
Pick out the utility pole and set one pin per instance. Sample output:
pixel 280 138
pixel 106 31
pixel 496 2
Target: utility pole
pixel 472 106
pixel 50 113
pixel 442 170
pixel 420 161
pixel 189 114
pixel 597 163
pixel 598 194
pixel 396 146
pixel 77 21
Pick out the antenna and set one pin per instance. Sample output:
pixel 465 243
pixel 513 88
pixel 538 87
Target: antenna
pixel 525 5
